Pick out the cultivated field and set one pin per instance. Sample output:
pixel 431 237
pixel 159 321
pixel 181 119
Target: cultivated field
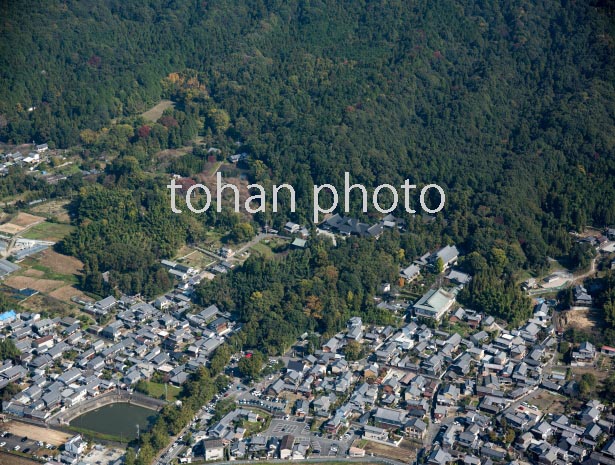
pixel 48 231
pixel 34 273
pixel 41 285
pixel 62 264
pixel 37 433
pixel 20 222
pixel 66 293
pixel 53 208
pixel 194 258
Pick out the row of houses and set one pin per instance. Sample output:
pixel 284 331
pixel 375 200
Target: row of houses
pixel 62 364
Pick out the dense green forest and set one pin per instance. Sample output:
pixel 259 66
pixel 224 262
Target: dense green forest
pixel 507 105
pixel 313 290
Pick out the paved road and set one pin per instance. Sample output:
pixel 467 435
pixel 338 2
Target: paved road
pixel 322 460
pixel 164 457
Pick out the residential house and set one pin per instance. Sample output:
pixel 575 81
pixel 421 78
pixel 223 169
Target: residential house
pixel 434 304
pixel 213 449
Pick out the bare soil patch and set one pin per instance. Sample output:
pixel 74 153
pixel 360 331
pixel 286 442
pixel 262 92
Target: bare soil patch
pixel 154 113
pixel 66 292
pixel 583 320
pixel 580 371
pixel 10 228
pixel 41 285
pixel 20 222
pixel 37 433
pixel 33 273
pixel 11 459
pixel 402 453
pixel 25 219
pixel 59 263
pixel 549 403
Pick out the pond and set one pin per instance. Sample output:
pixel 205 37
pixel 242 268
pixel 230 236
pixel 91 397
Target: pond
pixel 117 420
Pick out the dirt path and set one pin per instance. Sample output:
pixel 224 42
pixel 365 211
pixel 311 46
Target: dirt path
pixel 587 274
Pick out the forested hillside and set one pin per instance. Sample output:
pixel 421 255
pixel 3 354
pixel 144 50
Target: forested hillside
pixel 507 105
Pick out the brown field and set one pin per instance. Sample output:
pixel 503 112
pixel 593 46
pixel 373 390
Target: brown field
pixel 10 459
pixel 154 113
pixel 589 321
pixel 402 453
pixel 20 222
pixel 548 402
pixel 209 179
pixel 41 285
pixel 600 375
pixel 41 302
pixel 37 433
pixel 59 263
pixel 66 292
pixel 56 208
pixel 34 273
pixel 10 228
pixel 25 219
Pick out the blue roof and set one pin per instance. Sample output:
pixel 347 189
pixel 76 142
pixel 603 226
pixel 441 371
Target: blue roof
pixel 7 315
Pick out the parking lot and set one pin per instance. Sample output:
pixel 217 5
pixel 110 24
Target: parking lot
pixel 328 447
pixel 22 444
pixel 273 405
pixel 288 427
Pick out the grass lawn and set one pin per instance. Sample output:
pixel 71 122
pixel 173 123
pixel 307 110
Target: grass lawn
pixel 48 231
pixel 262 249
pixel 156 390
pixel 96 435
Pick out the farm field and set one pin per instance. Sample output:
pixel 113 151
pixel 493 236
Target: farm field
pixel 20 222
pixel 47 231
pixel 57 209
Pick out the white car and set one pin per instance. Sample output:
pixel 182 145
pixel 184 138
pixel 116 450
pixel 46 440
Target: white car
pixel 16 448
pixel 2 444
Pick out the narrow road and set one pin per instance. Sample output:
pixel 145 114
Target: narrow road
pixel 590 272
pixel 373 459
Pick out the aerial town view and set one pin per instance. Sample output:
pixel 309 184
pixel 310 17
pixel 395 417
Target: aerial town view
pixel 322 231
